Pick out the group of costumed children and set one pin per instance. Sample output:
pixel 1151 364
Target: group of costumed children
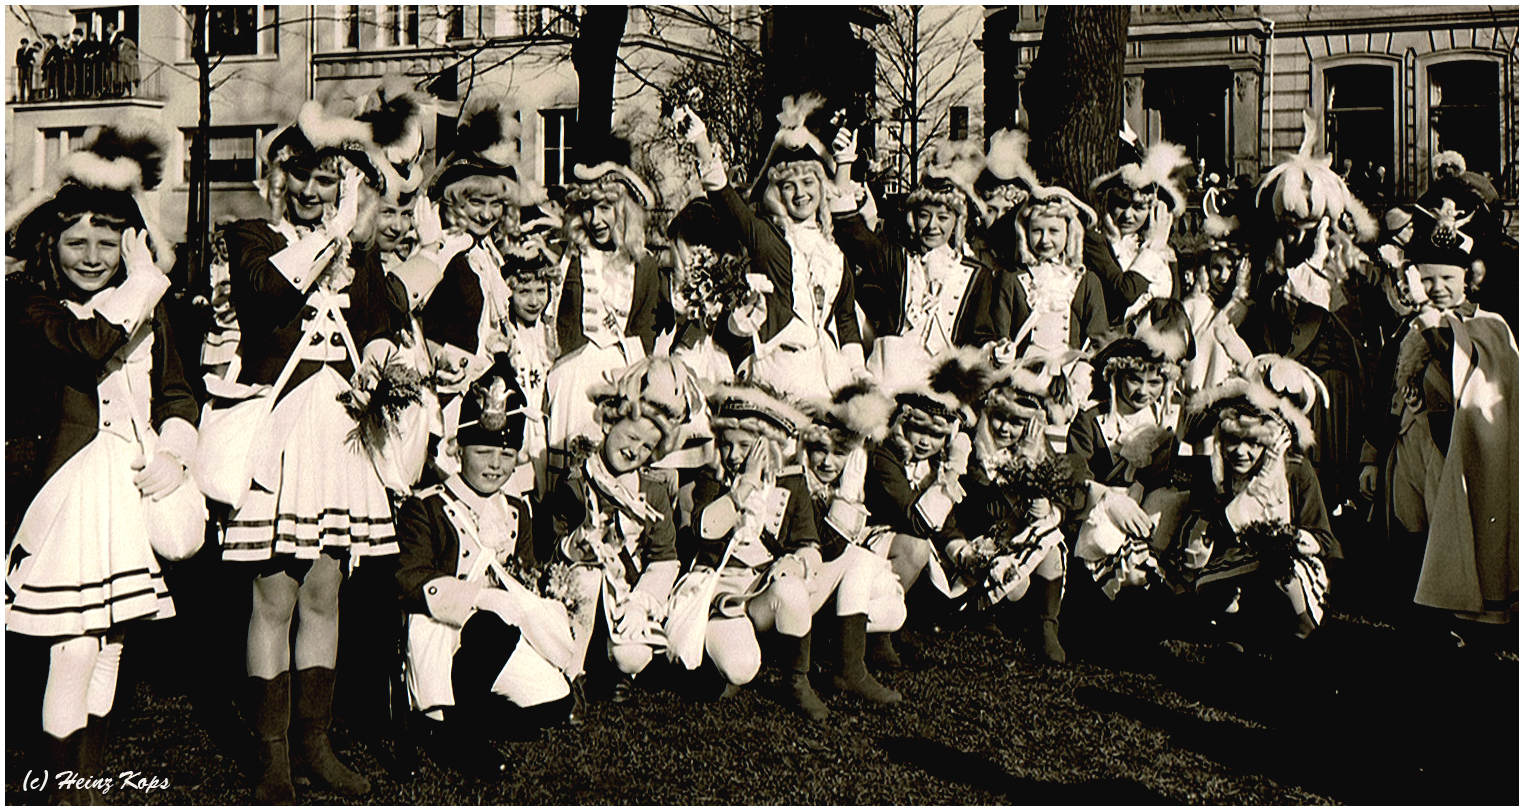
pixel 585 455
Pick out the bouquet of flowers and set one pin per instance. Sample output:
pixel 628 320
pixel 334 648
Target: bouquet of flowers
pixel 713 284
pixel 560 583
pixel 1274 543
pixel 1036 491
pixel 377 405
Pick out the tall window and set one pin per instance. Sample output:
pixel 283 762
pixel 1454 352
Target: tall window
pixel 94 21
pixel 240 30
pixel 1358 120
pixel 1193 110
pixel 232 154
pixel 1464 112
pixel 399 26
pixel 558 126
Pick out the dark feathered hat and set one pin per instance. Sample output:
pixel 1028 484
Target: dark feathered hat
pixel 607 169
pixel 395 114
pixel 955 380
pixel 318 135
pixel 1147 169
pixel 486 144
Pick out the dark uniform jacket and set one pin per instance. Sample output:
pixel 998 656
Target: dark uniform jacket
pixel 650 306
pixel 799 520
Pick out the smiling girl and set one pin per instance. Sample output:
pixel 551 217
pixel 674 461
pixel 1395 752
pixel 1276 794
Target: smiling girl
pixel 93 339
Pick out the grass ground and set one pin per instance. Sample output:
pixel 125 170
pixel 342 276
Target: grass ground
pixel 1364 714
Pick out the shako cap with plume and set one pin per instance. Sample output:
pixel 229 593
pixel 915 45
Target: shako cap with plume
pixel 395 114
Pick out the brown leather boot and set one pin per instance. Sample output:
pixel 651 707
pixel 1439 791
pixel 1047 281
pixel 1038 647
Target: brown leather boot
pixel 314 712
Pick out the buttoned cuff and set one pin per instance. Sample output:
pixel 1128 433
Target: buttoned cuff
pixel 297 261
pixel 451 601
pixel 131 303
pixel 419 276
pixel 935 506
pixel 177 438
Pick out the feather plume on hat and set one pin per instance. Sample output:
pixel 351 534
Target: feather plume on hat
pixel 486 143
pixel 1007 157
pixel 395 114
pixel 1156 168
pixel 856 413
pixel 1273 386
pixel 1305 187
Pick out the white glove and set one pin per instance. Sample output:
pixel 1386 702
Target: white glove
pixel 854 472
pixel 959 448
pixel 844 146
pixel 690 126
pixel 1127 515
pixel 1159 226
pixel 343 219
pixel 1306 544
pixel 135 253
pixel 159 477
pixel 430 227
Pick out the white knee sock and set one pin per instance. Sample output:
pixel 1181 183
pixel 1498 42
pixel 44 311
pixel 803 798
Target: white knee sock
pixel 64 704
pixel 103 679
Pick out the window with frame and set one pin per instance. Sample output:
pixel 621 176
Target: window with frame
pixel 399 26
pixel 239 30
pixel 1359 125
pixel 232 153
pixel 94 20
pixel 1192 104
pixel 1465 112
pixel 556 144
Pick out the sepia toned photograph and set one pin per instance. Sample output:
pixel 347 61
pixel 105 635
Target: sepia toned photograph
pixel 803 405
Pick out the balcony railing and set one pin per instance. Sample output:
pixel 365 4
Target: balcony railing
pixel 73 81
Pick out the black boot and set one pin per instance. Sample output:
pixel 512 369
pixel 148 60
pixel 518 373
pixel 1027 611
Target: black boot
pixel 314 711
pixel 271 708
pixel 459 744
pixel 66 755
pixel 801 695
pixel 881 653
pixel 1052 599
pixel 852 675
pixel 92 758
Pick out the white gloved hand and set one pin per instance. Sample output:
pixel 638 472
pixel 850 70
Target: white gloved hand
pixel 1159 226
pixel 430 227
pixel 959 448
pixel 135 253
pixel 343 219
pixel 844 146
pixel 854 472
pixel 1129 516
pixel 690 126
pixel 158 477
pixel 1306 544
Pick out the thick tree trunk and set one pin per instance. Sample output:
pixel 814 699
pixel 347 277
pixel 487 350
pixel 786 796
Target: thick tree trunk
pixel 593 54
pixel 1074 94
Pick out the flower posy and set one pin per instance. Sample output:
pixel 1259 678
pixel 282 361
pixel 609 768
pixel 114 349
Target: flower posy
pixel 378 410
pixel 714 284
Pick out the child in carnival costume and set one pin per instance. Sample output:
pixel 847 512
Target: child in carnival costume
pixel 115 431
pixel 1004 183
pixel 486 655
pixel 805 334
pixel 1453 470
pixel 1051 302
pixel 532 281
pixel 614 517
pixel 614 300
pixel 454 279
pixel 1018 491
pixel 310 295
pixel 1141 198
pixel 1128 442
pixel 933 292
pixel 1316 299
pixel 1256 534
pixel 914 478
pixel 1218 298
pixel 757 528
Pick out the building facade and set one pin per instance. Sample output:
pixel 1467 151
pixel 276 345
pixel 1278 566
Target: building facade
pixel 1391 86
pixel 267 60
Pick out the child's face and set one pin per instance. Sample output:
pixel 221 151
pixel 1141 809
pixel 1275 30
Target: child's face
pixel 924 443
pixel 1220 274
pixel 1138 389
pixel 307 191
pixel 89 254
pixel 826 460
pixel 1240 454
pixel 598 220
pixel 393 225
pixel 485 468
pixel 1005 429
pixel 1048 237
pixel 1445 285
pixel 630 444
pixel 1129 209
pixel 733 446
pixel 933 225
pixel 529 299
pixel 801 197
pixel 477 211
